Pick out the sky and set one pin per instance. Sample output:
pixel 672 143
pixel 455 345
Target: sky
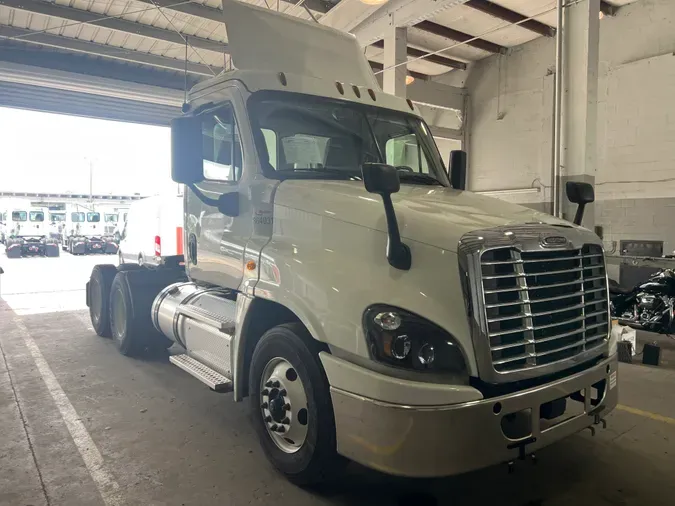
pixel 41 152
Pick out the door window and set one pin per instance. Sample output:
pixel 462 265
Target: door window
pixel 221 146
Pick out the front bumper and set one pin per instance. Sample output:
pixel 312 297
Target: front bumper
pixel 448 440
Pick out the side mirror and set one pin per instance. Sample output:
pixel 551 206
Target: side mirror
pixel 187 165
pixel 383 180
pixel 458 169
pixel 581 194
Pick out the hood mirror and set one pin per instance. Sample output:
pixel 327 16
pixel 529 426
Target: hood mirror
pixel 383 180
pixel 581 194
pixel 458 169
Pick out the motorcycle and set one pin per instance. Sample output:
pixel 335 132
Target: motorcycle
pixel 648 305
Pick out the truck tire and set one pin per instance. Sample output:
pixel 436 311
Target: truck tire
pixel 305 452
pixel 131 297
pixel 98 298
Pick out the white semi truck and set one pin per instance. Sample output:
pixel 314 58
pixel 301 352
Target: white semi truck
pixel 85 232
pixel 26 230
pixel 362 302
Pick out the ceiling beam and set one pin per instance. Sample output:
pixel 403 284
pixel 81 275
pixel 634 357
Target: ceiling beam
pixel 371 24
pixel 104 50
pixel 216 14
pixel 449 33
pixel 377 67
pixel 435 58
pixel 608 9
pixel 510 16
pixel 120 25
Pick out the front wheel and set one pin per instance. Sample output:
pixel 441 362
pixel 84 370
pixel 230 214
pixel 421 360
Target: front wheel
pixel 291 407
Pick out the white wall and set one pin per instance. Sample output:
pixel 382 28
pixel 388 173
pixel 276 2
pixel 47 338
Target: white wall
pixel 511 109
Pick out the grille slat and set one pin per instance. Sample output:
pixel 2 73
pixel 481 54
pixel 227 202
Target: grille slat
pixel 543 306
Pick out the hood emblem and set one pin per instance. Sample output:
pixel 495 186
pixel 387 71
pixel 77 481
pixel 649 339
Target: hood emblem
pixel 553 241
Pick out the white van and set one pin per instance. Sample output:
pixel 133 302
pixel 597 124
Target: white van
pixel 153 231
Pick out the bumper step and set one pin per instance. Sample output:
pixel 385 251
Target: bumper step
pixel 213 379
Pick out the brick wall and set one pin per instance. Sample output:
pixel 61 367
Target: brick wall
pixel 511 131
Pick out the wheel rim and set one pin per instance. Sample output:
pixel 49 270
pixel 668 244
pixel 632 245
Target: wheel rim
pixel 118 313
pixel 96 297
pixel 283 405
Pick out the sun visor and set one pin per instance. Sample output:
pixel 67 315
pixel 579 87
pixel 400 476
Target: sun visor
pixel 263 39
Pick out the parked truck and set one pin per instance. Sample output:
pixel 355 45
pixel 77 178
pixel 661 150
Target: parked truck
pixel 26 231
pixel 352 291
pixel 85 233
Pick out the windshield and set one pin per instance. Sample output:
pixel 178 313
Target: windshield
pixel 93 217
pixel 110 218
pixel 57 217
pixel 77 217
pixel 314 137
pixel 19 215
pixel 37 216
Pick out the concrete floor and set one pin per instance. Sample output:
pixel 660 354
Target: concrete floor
pixel 82 425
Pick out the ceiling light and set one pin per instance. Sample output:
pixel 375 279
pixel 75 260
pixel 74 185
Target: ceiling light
pixel 409 80
pixel 374 2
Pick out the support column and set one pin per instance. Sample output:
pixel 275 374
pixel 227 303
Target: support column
pixel 580 101
pixel 395 52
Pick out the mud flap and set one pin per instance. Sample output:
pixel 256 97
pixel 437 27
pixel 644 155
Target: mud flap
pixel 51 250
pixel 79 249
pixel 110 248
pixel 87 295
pixel 14 251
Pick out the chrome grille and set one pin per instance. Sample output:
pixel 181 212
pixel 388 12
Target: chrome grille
pixel 543 306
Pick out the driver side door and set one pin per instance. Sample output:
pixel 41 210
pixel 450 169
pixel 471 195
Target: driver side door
pixel 216 242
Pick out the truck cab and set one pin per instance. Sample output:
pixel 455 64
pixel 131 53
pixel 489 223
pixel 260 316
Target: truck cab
pixel 26 231
pixel 85 232
pixel 337 280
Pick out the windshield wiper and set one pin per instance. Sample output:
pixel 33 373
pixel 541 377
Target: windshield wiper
pixel 414 177
pixel 322 173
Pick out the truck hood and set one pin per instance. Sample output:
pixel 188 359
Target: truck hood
pixel 432 215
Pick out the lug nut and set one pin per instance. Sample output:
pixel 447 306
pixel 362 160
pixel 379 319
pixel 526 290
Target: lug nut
pixel 268 419
pixel 274 427
pixel 275 384
pixel 264 405
pixel 268 384
pixel 281 429
pixel 287 406
pixel 286 421
pixel 265 392
pixel 282 392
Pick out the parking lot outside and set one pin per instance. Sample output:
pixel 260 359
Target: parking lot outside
pixel 83 425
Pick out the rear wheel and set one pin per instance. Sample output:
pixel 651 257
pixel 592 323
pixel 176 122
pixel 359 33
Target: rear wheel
pixel 290 405
pixel 100 283
pixel 122 324
pixel 132 294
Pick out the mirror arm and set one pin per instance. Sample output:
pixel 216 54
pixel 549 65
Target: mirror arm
pixel 398 253
pixel 227 203
pixel 200 195
pixel 579 216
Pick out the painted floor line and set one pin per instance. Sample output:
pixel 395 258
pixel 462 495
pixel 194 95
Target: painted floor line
pixel 646 414
pixel 108 488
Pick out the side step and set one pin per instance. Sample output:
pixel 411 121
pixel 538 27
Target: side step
pixel 222 323
pixel 213 379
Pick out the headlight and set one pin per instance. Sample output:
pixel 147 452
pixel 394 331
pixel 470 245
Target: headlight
pixel 403 339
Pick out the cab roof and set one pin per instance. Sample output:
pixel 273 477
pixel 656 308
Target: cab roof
pixel 273 51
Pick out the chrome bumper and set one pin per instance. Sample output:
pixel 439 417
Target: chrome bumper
pixel 447 440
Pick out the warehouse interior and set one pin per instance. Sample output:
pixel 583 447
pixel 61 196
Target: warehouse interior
pixel 534 94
